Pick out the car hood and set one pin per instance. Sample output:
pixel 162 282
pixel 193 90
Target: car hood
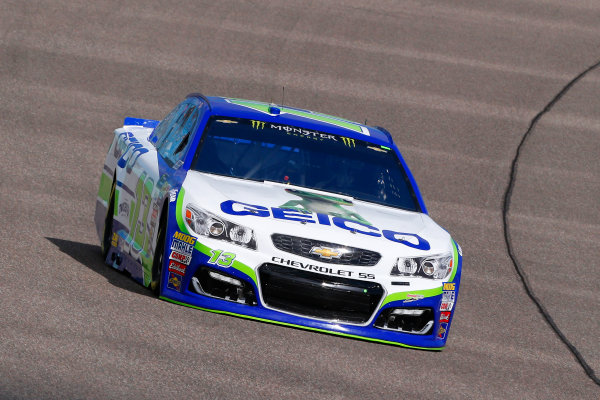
pixel 270 207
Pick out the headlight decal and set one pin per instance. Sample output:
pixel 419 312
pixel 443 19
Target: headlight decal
pixel 205 223
pixel 404 295
pixel 243 268
pixel 438 267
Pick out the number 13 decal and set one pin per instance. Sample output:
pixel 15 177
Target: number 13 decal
pixel 221 258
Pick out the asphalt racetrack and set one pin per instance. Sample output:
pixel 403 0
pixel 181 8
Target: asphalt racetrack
pixel 459 84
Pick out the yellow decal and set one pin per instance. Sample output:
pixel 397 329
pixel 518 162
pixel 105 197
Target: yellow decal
pixel 349 142
pixel 324 252
pixel 175 281
pixel 185 238
pixel 449 286
pixel 258 124
pixel 115 239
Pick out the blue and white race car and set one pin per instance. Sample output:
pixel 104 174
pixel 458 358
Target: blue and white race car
pixel 278 214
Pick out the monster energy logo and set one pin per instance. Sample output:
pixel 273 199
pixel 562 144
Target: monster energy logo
pixel 349 142
pixel 258 124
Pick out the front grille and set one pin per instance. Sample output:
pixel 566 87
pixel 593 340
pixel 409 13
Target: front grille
pixel 303 246
pixel 319 296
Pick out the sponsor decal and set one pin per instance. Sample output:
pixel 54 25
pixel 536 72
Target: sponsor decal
pixel 325 252
pixel 258 124
pixel 445 316
pixel 128 149
pixel 450 286
pixel 115 239
pixel 182 247
pixel 305 133
pixel 185 238
pixel 177 267
pixel 448 295
pixel 174 281
pixel 442 331
pixel 412 240
pixel 413 297
pixel 348 142
pixel 183 243
pixel 322 270
pixel 459 249
pixel 124 209
pixel 180 257
pixel 446 306
pixel 172 195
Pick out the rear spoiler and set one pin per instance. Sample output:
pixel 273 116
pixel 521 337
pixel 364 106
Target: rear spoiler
pixel 146 123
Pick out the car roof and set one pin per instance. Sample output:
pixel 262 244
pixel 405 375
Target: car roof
pixel 250 109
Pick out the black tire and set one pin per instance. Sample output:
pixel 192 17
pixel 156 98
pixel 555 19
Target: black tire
pixel 157 263
pixel 108 222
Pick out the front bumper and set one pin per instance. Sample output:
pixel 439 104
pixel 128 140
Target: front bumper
pixel 354 308
pixel 373 313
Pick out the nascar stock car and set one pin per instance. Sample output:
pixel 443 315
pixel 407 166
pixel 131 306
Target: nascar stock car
pixel 278 214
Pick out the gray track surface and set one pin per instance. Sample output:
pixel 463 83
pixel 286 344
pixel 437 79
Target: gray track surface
pixel 457 85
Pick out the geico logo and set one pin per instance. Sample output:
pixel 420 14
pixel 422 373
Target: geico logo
pixel 185 238
pixel 415 241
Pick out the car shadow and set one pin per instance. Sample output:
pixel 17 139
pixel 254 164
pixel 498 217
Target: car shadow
pixel 90 256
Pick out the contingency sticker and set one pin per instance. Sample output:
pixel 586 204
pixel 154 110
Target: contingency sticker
pixel 442 331
pixel 413 297
pixel 445 316
pixel 183 243
pixel 174 281
pixel 448 295
pixel 177 268
pixel 180 257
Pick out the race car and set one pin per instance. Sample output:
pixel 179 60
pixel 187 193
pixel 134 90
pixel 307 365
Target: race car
pixel 278 214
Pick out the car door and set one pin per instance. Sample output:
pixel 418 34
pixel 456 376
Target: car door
pixel 148 167
pixel 172 145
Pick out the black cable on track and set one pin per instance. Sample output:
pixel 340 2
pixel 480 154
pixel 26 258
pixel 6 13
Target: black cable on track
pixel 505 208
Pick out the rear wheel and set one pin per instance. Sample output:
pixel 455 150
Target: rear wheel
pixel 157 263
pixel 108 222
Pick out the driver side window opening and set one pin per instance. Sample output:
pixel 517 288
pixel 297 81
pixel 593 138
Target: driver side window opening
pixel 173 145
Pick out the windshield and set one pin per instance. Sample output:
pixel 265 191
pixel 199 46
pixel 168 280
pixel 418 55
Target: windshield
pixel 266 151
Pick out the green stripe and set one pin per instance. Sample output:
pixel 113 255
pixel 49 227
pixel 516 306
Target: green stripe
pixel 404 295
pixel 256 105
pixel 105 185
pixel 178 210
pixel 325 118
pixel 302 327
pixel 454 261
pixel 116 207
pixel 264 107
pixel 203 248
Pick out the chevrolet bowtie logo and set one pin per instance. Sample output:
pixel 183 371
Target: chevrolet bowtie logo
pixel 326 252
